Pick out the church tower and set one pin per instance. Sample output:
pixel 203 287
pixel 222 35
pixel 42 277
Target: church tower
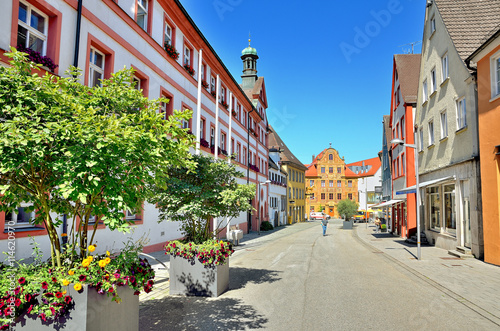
pixel 249 57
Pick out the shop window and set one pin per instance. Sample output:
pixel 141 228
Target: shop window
pixel 450 221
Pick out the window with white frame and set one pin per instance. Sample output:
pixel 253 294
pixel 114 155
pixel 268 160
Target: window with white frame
pixel 222 94
pixel 495 75
pixel 420 139
pixel 431 132
pixel 129 215
pixel 142 13
pixel 223 141
pixel 444 67
pixel 32 28
pixel 238 152
pixel 212 84
pixel 461 114
pixel 444 124
pixel 403 128
pixel 424 90
pixel 136 82
pixel 163 110
pixel 433 80
pixel 21 217
pixel 433 25
pixel 168 34
pixel 96 67
pixel 185 123
pixel 212 136
pixel 187 55
pixel 202 128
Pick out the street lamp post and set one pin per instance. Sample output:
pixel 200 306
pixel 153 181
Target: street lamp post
pixel 258 211
pixel 417 189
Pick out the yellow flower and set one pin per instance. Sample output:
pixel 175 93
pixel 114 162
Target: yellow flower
pixel 65 282
pixel 64 292
pixel 108 253
pixel 102 263
pixel 85 263
pixel 91 248
pixel 107 260
pixel 90 258
pixel 71 272
pixel 77 287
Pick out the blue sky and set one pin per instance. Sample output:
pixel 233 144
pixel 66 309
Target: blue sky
pixel 327 64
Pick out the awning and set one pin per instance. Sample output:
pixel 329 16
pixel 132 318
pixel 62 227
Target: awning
pixel 412 189
pixel 386 204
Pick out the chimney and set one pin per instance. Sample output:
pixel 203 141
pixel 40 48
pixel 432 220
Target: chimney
pixel 313 158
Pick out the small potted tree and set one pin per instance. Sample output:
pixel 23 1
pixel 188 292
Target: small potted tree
pixel 347 208
pixel 199 199
pixel 80 151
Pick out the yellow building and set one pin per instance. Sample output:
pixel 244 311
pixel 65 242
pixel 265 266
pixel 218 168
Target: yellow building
pixel 327 183
pixel 296 210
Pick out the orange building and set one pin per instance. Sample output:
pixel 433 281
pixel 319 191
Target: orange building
pixel 327 184
pixel 487 58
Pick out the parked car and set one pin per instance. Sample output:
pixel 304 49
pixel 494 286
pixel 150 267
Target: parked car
pixel 359 216
pixel 318 216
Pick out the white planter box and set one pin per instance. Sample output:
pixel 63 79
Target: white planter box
pixel 91 312
pixel 197 280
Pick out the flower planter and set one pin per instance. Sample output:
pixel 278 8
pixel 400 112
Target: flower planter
pixel 196 279
pixel 91 311
pixel 347 225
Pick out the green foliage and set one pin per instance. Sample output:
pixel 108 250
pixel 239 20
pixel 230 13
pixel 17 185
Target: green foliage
pixel 347 208
pixel 193 197
pixel 266 226
pixel 210 253
pixel 81 151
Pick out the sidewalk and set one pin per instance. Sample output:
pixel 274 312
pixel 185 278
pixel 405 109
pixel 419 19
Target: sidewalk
pixel 470 281
pixel 161 287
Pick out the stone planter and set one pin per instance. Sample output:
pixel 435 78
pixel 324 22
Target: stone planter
pixel 197 280
pixel 92 311
pixel 347 225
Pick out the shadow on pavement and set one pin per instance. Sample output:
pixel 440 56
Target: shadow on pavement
pixel 193 313
pixel 239 277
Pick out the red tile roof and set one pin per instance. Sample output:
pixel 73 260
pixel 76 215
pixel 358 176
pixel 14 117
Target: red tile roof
pixel 359 169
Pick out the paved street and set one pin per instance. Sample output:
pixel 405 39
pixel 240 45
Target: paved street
pixel 296 279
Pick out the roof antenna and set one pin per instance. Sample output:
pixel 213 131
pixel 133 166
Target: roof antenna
pixel 249 38
pixel 412 46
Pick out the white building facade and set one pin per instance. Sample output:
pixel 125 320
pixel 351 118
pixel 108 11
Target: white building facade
pixel 137 33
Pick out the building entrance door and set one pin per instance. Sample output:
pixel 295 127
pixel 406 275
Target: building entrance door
pixel 465 213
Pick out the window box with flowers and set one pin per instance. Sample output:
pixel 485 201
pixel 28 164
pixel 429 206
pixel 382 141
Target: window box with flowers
pixel 234 112
pixel 224 104
pixel 189 69
pixel 171 51
pixel 204 83
pixel 200 264
pixel 212 92
pixel 204 143
pixel 38 58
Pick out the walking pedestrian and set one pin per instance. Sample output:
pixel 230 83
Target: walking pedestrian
pixel 324 224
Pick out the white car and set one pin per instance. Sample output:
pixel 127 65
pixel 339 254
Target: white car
pixel 319 216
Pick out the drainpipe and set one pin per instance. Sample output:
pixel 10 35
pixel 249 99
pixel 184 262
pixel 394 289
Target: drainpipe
pixel 249 217
pixel 77 39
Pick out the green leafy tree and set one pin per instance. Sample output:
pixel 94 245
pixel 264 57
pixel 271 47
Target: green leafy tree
pixel 347 208
pixel 81 151
pixel 194 197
